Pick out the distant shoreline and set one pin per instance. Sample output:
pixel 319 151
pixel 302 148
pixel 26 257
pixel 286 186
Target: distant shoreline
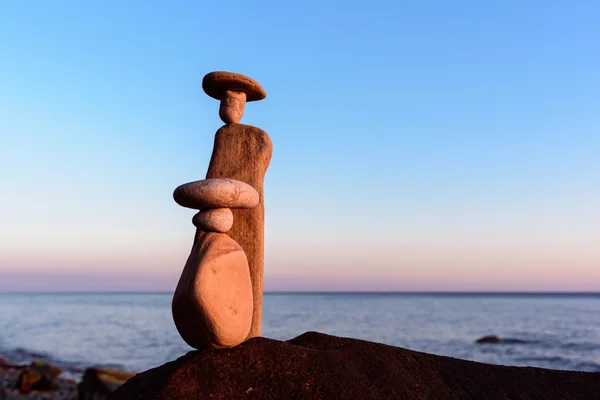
pixel 341 293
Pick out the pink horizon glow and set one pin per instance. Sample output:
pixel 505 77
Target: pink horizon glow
pixel 322 267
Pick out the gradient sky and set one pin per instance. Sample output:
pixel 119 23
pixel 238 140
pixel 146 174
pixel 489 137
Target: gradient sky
pixel 428 145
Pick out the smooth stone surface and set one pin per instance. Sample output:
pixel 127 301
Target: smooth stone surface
pixel 216 83
pixel 214 220
pixel 232 107
pixel 212 305
pixel 318 366
pixel 243 152
pixel 216 193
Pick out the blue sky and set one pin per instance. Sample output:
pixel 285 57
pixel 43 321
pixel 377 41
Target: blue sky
pixel 417 145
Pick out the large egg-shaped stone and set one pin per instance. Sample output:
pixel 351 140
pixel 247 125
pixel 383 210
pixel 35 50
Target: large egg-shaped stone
pixel 212 305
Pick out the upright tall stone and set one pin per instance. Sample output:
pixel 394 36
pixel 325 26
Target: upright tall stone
pixel 243 152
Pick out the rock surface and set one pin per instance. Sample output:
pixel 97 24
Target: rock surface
pixel 243 152
pixel 216 193
pixel 97 383
pixel 232 107
pixel 495 339
pixel 38 376
pixel 488 339
pixel 214 220
pixel 212 305
pixel 63 388
pixel 318 366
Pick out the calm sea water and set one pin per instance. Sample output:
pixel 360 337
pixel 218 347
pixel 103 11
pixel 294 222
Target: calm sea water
pixel 135 331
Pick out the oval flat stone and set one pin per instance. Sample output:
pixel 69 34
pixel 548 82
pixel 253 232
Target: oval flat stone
pixel 216 83
pixel 212 305
pixel 214 220
pixel 216 193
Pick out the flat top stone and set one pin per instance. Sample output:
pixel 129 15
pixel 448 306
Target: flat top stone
pixel 216 83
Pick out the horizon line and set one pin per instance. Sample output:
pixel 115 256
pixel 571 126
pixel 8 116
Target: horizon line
pixel 327 292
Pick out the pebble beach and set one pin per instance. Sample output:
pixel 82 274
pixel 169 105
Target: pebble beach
pixel 9 375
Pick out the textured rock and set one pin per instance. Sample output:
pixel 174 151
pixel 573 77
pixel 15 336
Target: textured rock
pixel 216 193
pixel 318 366
pixel 38 376
pixel 243 152
pixel 232 107
pixel 10 373
pixel 212 305
pixel 6 394
pixel 214 220
pixel 97 383
pixel 216 83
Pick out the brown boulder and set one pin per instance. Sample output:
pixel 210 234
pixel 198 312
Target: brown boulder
pixel 97 383
pixel 38 376
pixel 318 366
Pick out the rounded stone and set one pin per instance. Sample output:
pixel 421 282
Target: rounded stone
pixel 214 220
pixel 232 107
pixel 212 305
pixel 216 193
pixel 216 83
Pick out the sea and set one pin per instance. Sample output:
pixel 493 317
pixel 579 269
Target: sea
pixel 135 331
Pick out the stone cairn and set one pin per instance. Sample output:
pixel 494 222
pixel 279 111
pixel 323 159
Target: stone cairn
pixel 218 300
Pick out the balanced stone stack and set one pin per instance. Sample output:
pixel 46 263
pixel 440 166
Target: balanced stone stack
pixel 218 300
